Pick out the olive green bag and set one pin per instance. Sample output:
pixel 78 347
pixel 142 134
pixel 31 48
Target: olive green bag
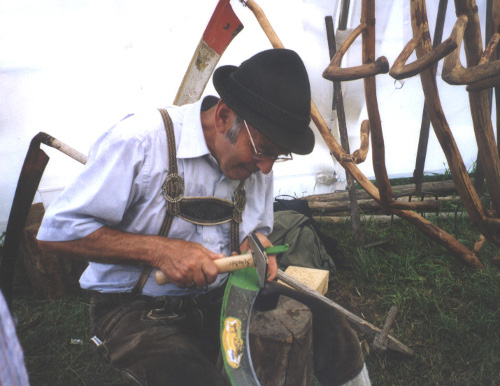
pixel 306 248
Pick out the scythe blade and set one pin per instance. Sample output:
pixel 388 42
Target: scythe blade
pixel 241 291
pixel 31 174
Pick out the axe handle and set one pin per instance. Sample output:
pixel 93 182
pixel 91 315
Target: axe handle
pixel 228 264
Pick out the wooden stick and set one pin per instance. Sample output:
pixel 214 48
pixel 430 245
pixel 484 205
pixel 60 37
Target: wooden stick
pixel 423 139
pixel 359 155
pixel 62 147
pixel 440 188
pixel 380 340
pixel 468 194
pixel 355 320
pixel 479 106
pixel 400 71
pixel 369 206
pixel 433 232
pixel 490 49
pixel 377 137
pixel 485 84
pixel 344 139
pixel 453 70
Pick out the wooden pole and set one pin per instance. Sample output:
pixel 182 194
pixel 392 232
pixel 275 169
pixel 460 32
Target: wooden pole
pixel 423 140
pixel 344 139
pixel 435 233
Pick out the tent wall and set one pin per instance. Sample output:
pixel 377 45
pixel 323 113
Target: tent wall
pixel 72 69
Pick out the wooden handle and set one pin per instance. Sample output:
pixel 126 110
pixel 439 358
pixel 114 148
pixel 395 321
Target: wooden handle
pixel 228 264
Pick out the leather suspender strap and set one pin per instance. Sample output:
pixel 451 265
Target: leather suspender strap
pixel 167 221
pixel 173 191
pixel 173 187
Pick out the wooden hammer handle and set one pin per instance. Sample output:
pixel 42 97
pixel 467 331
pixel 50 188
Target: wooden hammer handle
pixel 228 264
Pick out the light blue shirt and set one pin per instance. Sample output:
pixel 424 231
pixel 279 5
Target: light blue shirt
pixel 120 187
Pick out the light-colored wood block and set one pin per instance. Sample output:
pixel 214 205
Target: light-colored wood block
pixel 316 279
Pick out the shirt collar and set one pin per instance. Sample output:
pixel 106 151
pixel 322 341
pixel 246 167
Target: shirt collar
pixel 192 142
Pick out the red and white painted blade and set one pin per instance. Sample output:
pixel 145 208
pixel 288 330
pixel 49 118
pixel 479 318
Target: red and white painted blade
pixel 223 26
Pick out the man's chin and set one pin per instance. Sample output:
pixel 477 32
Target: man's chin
pixel 240 173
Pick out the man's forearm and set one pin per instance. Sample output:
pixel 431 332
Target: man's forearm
pixel 184 262
pixel 107 245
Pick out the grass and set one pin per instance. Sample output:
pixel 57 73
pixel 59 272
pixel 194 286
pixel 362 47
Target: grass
pixel 55 338
pixel 448 314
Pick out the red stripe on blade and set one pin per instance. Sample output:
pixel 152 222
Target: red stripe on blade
pixel 223 26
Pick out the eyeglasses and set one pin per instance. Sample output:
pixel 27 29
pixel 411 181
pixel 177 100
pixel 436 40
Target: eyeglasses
pixel 259 156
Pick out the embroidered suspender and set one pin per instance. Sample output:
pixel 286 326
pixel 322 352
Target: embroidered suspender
pixel 197 210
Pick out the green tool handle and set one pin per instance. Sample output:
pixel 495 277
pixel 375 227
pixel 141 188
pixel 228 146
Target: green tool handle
pixel 275 249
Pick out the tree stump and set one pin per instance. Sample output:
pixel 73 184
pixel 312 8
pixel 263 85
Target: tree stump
pixel 52 276
pixel 281 344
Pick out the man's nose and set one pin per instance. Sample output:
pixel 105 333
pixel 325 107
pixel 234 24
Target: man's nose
pixel 265 165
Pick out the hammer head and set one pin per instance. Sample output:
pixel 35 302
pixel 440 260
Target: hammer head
pixel 259 257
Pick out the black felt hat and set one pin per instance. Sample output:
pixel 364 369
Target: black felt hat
pixel 271 92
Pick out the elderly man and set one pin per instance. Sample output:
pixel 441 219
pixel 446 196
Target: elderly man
pixel 174 189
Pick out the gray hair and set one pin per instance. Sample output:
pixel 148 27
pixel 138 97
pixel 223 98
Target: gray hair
pixel 233 132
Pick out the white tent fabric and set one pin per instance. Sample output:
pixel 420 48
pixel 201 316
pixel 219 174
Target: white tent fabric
pixel 73 68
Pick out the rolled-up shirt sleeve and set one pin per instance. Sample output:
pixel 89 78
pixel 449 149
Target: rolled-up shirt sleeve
pixel 109 184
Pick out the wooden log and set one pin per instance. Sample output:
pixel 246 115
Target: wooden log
pixel 441 188
pixel 281 344
pixel 378 218
pixel 372 206
pixel 51 276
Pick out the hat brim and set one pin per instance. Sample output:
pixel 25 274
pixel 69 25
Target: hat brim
pixel 298 142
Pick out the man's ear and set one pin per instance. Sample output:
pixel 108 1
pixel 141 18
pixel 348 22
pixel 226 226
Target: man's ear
pixel 224 117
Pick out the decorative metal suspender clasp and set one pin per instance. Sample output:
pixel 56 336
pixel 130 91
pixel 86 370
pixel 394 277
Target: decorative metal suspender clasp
pixel 239 201
pixel 173 191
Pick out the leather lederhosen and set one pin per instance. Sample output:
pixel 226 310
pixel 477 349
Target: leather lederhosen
pixel 197 210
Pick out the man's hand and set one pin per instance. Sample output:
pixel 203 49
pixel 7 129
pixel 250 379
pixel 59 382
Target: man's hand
pixel 187 264
pixel 272 265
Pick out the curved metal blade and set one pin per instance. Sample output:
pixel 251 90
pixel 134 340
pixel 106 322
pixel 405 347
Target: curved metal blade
pixel 241 290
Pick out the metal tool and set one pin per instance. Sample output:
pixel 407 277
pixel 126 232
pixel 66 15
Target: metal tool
pixel 257 257
pixel 223 26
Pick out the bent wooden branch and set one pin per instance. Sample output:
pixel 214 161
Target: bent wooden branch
pixel 401 70
pixel 336 74
pixel 338 106
pixel 432 231
pixel 453 70
pixel 489 52
pixel 423 139
pixel 377 137
pixel 479 104
pixel 468 194
pixel 359 156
